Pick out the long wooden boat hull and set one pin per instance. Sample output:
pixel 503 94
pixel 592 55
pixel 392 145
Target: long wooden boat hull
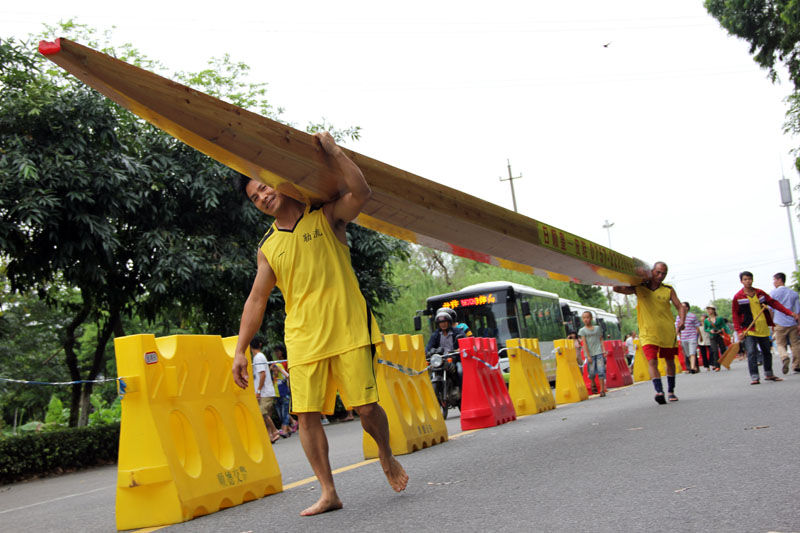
pixel 403 205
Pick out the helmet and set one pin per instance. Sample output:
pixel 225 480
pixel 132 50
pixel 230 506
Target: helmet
pixel 452 313
pixel 442 315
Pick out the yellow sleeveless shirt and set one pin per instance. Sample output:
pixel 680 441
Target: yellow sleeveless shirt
pixel 656 323
pixel 326 314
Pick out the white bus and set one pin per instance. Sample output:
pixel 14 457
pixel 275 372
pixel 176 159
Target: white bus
pixel 572 312
pixel 505 310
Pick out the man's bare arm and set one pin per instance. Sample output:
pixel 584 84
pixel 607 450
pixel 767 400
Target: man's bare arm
pixel 262 378
pixel 673 297
pixel 252 316
pixel 356 190
pixel 646 276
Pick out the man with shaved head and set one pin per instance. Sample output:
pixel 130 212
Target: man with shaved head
pixel 656 327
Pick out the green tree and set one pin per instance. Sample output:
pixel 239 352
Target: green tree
pixel 772 27
pixel 127 216
pixel 135 223
pixel 30 346
pixel 723 306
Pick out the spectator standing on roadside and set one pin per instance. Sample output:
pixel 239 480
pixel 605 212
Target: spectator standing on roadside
pixel 715 326
pixel 656 330
pixel 283 398
pixel 747 311
pixel 284 401
pixel 265 390
pixel 786 329
pixel 704 344
pixel 630 348
pixel 688 337
pixel 592 337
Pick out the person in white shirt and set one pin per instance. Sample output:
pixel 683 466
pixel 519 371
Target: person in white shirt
pixel 265 389
pixel 630 347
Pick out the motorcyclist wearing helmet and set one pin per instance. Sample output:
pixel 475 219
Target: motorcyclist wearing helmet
pixel 445 336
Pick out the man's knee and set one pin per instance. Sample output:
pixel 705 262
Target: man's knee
pixel 367 410
pixel 306 420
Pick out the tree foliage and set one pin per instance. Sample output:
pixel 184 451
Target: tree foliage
pixel 30 349
pixel 772 27
pixel 130 222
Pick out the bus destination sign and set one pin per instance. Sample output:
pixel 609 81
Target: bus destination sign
pixel 481 299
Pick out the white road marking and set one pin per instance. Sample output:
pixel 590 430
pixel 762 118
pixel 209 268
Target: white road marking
pixel 57 499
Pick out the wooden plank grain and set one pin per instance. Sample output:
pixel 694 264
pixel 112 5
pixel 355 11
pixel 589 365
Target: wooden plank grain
pixel 404 205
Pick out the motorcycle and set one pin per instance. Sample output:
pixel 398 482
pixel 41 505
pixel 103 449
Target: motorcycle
pixel 445 372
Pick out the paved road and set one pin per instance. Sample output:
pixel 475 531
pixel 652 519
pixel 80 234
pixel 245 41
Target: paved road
pixel 723 458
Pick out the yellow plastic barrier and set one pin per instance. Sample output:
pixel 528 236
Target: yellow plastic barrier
pixel 570 387
pixel 415 417
pixel 191 441
pixel 527 384
pixel 662 366
pixel 641 372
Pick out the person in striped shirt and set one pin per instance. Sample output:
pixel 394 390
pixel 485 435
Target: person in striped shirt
pixel 688 337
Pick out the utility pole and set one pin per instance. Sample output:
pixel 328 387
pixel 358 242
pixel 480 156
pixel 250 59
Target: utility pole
pixel 510 179
pixel 713 293
pixel 786 201
pixel 607 226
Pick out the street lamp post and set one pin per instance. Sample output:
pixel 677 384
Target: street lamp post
pixel 786 201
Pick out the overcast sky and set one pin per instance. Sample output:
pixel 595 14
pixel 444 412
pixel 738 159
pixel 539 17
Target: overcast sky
pixel 643 113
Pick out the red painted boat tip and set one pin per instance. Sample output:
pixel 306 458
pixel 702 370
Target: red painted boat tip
pixel 48 48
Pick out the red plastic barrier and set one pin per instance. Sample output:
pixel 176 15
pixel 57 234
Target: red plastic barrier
pixel 618 374
pixel 681 358
pixel 484 398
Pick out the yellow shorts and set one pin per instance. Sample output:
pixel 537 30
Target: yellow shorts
pixel 314 385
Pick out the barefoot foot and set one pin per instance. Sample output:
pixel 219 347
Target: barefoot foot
pixel 395 474
pixel 323 505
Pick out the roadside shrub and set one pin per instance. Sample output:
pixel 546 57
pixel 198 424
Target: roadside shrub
pixel 53 452
pixel 57 414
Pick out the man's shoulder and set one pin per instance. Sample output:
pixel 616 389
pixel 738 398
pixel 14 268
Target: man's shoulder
pixel 761 293
pixel 266 236
pixel 784 291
